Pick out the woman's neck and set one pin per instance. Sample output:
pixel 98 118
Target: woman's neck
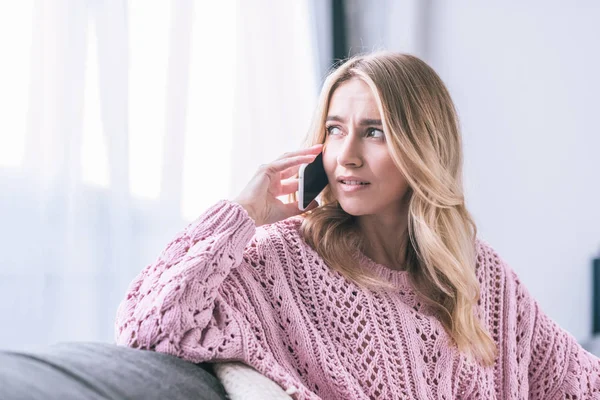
pixel 385 239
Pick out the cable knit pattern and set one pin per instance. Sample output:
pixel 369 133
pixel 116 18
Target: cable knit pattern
pixel 224 290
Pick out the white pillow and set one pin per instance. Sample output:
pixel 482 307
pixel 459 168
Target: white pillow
pixel 242 382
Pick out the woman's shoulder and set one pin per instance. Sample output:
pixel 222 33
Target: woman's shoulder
pixel 488 260
pixel 270 239
pixel 496 277
pixel 287 229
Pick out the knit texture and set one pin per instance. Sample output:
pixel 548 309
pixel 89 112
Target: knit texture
pixel 225 290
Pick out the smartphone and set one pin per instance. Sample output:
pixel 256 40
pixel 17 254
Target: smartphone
pixel 312 179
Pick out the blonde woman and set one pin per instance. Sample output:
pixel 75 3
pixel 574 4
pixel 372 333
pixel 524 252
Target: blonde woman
pixel 384 290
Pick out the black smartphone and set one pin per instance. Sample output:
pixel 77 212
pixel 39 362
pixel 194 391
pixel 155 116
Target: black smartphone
pixel 312 179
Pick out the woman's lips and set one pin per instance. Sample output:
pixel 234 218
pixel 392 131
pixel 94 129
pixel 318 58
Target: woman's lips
pixel 352 188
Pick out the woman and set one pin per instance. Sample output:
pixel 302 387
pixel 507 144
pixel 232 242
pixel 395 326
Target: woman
pixel 382 291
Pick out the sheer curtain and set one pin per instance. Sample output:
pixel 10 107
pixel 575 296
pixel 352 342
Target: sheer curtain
pixel 122 121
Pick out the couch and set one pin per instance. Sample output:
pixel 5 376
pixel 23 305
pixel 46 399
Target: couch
pixel 81 370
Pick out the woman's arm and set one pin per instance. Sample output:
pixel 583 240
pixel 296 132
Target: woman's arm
pixel 559 367
pixel 537 359
pixel 173 305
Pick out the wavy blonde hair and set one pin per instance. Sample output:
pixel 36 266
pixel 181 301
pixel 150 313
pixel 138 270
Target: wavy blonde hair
pixel 423 138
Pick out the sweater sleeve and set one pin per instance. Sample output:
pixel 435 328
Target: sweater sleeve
pixel 538 359
pixel 559 367
pixel 173 306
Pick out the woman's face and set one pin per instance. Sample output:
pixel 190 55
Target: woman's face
pixel 362 175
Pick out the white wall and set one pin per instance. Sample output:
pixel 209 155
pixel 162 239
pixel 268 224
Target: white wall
pixel 526 79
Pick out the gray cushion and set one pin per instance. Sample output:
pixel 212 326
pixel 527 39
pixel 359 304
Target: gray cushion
pixel 103 371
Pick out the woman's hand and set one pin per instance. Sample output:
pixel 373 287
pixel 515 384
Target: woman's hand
pixel 259 197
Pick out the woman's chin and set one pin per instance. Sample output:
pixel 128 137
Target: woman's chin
pixel 354 208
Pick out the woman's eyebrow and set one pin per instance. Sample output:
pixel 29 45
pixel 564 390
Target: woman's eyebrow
pixel 363 122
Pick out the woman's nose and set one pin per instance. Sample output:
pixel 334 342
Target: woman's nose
pixel 349 155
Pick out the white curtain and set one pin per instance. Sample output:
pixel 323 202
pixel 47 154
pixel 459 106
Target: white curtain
pixel 121 122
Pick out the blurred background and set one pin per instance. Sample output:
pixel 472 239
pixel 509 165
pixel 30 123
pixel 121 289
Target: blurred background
pixel 121 121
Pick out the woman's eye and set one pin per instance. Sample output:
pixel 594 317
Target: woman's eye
pixel 377 133
pixel 332 130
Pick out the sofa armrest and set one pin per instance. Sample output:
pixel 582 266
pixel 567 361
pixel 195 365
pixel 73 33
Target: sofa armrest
pixel 245 383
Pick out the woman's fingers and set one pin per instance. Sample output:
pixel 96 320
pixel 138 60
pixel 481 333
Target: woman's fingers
pixel 288 186
pixel 316 149
pixel 279 166
pixel 277 176
pixel 296 158
pixel 288 173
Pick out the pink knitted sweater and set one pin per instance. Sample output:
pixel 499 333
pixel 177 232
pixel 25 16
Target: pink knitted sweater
pixel 227 290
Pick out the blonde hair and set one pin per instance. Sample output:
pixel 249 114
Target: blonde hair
pixel 423 137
